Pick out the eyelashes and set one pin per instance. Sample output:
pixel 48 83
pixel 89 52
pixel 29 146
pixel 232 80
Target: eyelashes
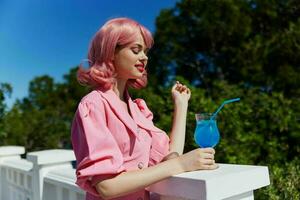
pixel 138 50
pixel 135 51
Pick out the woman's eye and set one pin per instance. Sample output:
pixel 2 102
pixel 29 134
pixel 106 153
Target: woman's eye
pixel 135 51
pixel 138 50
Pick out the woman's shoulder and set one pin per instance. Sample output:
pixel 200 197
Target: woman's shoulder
pixel 92 97
pixel 92 101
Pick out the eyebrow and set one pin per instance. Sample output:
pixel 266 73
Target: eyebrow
pixel 138 44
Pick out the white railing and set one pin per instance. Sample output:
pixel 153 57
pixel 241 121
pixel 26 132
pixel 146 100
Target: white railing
pixel 43 175
pixel 49 175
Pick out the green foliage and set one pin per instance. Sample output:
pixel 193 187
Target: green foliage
pixel 256 42
pixel 43 120
pixel 285 181
pixel 5 89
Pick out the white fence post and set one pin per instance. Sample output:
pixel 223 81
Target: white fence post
pixel 43 162
pixel 8 153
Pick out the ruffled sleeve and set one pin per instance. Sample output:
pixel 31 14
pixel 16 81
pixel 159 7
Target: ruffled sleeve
pixel 97 152
pixel 160 140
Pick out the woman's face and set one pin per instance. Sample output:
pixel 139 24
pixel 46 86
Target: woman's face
pixel 130 61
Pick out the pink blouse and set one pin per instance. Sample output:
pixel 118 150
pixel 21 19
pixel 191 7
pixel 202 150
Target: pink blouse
pixel 107 140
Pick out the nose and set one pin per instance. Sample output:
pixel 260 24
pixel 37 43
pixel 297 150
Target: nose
pixel 143 57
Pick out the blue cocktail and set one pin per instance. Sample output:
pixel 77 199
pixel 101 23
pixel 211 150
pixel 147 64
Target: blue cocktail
pixel 206 132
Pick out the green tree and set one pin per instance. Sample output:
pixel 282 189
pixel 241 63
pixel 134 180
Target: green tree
pixel 255 42
pixel 5 89
pixel 43 119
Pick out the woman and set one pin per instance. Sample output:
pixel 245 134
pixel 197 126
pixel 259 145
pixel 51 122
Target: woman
pixel 118 149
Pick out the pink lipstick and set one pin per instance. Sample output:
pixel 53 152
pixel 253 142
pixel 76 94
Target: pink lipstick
pixel 140 67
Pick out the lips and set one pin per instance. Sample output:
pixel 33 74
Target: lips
pixel 140 67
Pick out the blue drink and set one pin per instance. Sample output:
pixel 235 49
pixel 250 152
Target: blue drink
pixel 206 132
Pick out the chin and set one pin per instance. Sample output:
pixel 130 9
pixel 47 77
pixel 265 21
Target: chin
pixel 137 75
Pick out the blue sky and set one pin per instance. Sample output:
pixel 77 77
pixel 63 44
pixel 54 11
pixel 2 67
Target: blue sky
pixel 39 37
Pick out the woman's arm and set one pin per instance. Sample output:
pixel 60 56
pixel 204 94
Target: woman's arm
pixel 128 182
pixel 181 95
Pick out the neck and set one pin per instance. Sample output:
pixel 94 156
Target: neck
pixel 119 88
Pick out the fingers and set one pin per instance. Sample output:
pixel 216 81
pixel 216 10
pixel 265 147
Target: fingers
pixel 174 86
pixel 197 159
pixel 188 91
pixel 181 88
pixel 210 167
pixel 206 158
pixel 207 161
pixel 208 150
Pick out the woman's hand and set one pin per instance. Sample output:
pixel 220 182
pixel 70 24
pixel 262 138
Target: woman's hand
pixel 201 158
pixel 181 94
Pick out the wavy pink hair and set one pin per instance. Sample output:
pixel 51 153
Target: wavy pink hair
pixel 118 32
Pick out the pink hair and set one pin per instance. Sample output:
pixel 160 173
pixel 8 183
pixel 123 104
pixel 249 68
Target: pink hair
pixel 114 33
